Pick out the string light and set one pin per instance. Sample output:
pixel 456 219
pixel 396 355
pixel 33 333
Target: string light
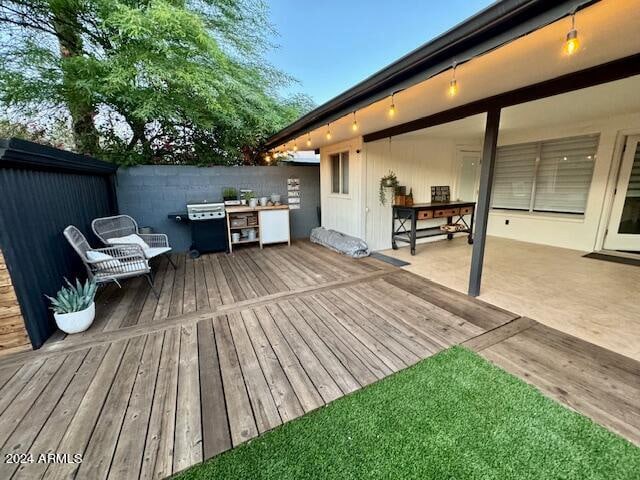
pixel 308 139
pixel 295 146
pixel 572 44
pixel 453 83
pixel 267 158
pixel 328 135
pixel 354 125
pixel 392 107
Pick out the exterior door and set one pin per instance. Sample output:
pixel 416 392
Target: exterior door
pixel 624 225
pixel 468 176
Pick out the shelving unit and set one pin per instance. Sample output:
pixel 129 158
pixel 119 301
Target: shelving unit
pixel 264 219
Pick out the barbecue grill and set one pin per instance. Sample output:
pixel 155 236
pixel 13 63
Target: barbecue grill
pixel 208 227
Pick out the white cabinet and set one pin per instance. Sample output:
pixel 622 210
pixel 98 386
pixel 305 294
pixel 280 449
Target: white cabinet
pixel 274 226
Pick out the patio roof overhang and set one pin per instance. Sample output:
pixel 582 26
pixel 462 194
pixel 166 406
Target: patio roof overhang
pixel 511 48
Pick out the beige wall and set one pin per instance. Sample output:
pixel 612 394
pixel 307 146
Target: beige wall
pixel 421 161
pixel 343 212
pixel 568 231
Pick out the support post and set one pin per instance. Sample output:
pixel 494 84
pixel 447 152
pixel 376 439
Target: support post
pixel 484 197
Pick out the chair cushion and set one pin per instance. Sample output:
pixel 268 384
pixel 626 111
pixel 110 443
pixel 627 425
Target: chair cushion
pixel 109 261
pixel 155 251
pixel 129 239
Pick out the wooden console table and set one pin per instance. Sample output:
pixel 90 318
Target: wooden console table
pixel 404 227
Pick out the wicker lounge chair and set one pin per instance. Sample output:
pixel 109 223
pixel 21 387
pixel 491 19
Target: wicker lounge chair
pixel 123 229
pixel 109 264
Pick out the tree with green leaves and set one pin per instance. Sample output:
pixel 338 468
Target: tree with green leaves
pixel 155 81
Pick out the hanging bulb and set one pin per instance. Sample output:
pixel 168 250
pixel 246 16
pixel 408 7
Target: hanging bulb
pixel 308 139
pixel 328 135
pixel 453 88
pixel 354 125
pixel 453 83
pixel 392 107
pixel 295 147
pixel 572 44
pixel 267 158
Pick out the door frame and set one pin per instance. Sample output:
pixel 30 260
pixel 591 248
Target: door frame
pixel 460 151
pixel 618 163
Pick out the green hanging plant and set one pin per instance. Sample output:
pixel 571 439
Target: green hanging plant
pixel 388 181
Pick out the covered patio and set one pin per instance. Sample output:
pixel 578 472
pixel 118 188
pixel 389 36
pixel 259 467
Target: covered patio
pixel 149 395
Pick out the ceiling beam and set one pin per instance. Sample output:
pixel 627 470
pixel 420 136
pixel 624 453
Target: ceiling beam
pixel 604 73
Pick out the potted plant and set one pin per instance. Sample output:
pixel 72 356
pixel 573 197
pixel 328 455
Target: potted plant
pixel 247 195
pixel 250 198
pixel 73 307
pixel 229 193
pixel 388 181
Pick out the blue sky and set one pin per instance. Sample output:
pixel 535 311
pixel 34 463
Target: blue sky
pixel 330 45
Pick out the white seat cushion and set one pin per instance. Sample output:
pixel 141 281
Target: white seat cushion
pixel 109 261
pixel 129 239
pixel 153 252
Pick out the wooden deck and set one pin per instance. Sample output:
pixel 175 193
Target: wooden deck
pixel 237 345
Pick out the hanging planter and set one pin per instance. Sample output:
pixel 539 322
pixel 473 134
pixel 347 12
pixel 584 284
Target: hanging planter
pixel 388 181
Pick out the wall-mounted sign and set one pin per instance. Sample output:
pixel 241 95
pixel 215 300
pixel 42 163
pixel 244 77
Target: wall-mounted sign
pixel 293 189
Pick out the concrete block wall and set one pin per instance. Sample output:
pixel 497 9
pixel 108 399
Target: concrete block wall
pixel 149 192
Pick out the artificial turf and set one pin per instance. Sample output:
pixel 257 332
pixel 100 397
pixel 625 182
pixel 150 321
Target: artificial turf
pixel 451 416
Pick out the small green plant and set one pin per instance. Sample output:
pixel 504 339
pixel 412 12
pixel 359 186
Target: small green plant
pixel 73 298
pixel 229 192
pixel 388 181
pixel 248 195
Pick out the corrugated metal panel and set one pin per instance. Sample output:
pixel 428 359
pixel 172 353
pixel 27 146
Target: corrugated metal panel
pixel 36 205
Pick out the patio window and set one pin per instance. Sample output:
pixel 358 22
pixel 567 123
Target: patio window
pixel 548 176
pixel 340 173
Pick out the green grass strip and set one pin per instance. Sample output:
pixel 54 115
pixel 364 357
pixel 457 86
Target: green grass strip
pixel 451 416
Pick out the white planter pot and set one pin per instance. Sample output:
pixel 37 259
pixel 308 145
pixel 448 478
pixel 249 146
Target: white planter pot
pixel 253 203
pixel 76 322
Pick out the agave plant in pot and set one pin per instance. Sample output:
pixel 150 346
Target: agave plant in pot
pixel 73 306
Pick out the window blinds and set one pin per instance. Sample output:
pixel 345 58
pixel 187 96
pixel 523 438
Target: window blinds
pixel 513 177
pixel 549 176
pixel 564 174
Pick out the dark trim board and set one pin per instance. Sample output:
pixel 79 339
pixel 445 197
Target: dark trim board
pixel 613 258
pixel 590 77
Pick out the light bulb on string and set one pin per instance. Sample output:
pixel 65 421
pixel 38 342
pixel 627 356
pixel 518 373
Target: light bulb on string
pixel 453 83
pixel 328 134
pixel 308 139
pixel 392 108
pixel 354 125
pixel 572 43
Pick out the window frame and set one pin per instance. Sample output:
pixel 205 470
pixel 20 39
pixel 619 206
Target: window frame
pixel 531 211
pixel 340 154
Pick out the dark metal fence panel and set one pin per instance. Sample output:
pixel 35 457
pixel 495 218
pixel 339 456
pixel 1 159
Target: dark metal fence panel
pixel 43 191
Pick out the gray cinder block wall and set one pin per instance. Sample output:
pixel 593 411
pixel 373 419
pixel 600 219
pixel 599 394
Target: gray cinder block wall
pixel 149 192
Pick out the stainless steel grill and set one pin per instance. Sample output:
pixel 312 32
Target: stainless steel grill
pixel 205 211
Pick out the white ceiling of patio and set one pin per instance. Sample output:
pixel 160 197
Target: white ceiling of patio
pixel 608 30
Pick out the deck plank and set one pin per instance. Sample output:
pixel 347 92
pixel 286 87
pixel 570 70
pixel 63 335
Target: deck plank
pixel 96 460
pixel 223 286
pixel 189 304
pixel 215 300
pixel 151 302
pixel 231 279
pixel 54 428
pixel 165 291
pixel 216 437
pixel 188 437
pixel 127 459
pixel 330 376
pixel 32 422
pixel 283 394
pixel 157 461
pixel 89 412
pixel 309 396
pixel 242 423
pixel 202 294
pixel 347 357
pixel 177 295
pixel 264 278
pixel 264 407
pixel 471 309
pixel 14 386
